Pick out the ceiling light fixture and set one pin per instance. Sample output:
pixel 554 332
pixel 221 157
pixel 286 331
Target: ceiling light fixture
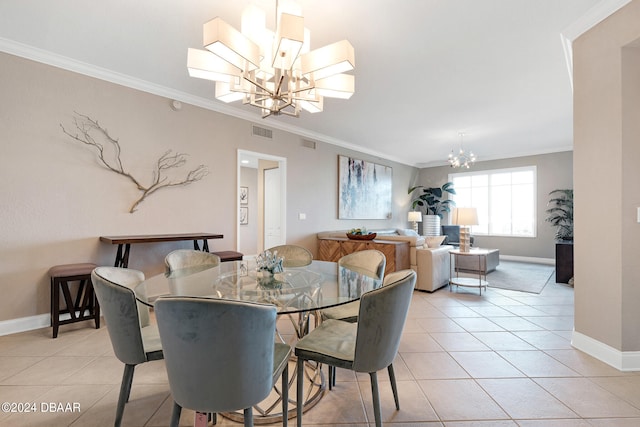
pixel 274 71
pixel 462 160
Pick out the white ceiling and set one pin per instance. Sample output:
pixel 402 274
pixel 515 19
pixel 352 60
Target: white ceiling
pixel 425 69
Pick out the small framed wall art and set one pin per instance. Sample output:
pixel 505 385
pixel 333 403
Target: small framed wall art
pixel 244 215
pixel 244 195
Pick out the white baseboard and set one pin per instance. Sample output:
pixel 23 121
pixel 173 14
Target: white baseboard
pixel 22 324
pixel 621 360
pixel 548 261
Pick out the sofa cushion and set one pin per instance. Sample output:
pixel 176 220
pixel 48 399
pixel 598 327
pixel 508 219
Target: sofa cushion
pixel 407 232
pixel 434 241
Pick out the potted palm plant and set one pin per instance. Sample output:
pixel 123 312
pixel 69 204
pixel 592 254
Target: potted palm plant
pixel 430 201
pixel 560 213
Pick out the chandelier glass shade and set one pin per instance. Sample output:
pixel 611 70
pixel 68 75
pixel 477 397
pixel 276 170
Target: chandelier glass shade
pixel 462 159
pixel 274 71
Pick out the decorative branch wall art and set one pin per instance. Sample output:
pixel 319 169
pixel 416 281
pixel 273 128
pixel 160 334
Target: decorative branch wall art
pixel 365 189
pixel 89 132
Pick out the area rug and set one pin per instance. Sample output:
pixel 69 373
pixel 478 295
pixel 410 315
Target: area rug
pixel 521 276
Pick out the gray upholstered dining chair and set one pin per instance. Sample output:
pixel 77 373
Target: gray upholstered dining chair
pixel 371 262
pixel 293 256
pixel 221 355
pixel 188 258
pixel 133 338
pixel 369 345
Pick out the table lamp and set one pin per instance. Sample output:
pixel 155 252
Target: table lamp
pixel 464 217
pixel 415 217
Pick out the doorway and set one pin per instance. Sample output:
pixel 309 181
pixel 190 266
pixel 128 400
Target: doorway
pixel 261 221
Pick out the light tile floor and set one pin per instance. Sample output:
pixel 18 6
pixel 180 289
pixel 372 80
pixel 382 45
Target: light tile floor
pixel 502 359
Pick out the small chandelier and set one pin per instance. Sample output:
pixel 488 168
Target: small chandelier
pixel 274 71
pixel 462 160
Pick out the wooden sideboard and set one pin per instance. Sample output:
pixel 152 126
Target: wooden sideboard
pixel 396 252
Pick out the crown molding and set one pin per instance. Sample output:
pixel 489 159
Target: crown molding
pixel 590 19
pixel 59 61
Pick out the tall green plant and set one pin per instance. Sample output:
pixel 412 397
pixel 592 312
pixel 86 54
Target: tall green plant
pixel 560 213
pixel 429 199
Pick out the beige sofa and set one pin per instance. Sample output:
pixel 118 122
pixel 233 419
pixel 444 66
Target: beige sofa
pixel 433 268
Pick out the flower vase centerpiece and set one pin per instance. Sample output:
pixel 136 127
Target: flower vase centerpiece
pixel 269 264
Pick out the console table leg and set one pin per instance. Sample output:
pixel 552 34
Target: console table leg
pixel 122 259
pixel 125 258
pixel 118 262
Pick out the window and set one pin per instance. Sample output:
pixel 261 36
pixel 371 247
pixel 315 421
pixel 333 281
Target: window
pixel 505 200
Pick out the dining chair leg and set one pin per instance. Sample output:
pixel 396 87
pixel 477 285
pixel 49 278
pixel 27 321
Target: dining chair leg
pixel 376 398
pixel 248 417
pixel 330 376
pixel 333 376
pixel 394 387
pixel 130 381
pixel 175 415
pixel 300 385
pixel 285 395
pixel 125 390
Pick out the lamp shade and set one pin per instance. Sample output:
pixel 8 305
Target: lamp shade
pixel 414 216
pixel 464 216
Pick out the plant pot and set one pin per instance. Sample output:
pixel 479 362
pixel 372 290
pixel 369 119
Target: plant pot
pixel 431 225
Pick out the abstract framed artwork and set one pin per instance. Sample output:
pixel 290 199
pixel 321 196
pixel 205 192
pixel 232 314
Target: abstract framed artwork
pixel 365 189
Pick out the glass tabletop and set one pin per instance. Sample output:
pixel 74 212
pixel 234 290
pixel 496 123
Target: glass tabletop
pixel 321 284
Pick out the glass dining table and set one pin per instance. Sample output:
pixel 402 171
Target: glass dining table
pixel 298 293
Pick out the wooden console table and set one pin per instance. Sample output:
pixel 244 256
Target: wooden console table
pixel 122 257
pixel 396 252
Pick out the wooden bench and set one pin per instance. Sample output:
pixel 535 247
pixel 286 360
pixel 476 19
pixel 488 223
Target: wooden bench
pixel 229 255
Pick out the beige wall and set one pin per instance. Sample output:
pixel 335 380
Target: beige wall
pixel 56 200
pixel 607 180
pixel 554 171
pixel 249 232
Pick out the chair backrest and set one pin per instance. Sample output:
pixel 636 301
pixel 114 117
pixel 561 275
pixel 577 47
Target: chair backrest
pixel 381 319
pixel 187 258
pixel 453 234
pixel 293 256
pixel 218 353
pixel 114 289
pixel 371 261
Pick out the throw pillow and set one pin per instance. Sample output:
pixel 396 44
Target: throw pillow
pixel 434 241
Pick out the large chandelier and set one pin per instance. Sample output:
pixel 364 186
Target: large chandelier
pixel 274 71
pixel 462 159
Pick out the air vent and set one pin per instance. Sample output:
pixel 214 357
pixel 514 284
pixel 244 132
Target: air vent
pixel 309 144
pixel 265 133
